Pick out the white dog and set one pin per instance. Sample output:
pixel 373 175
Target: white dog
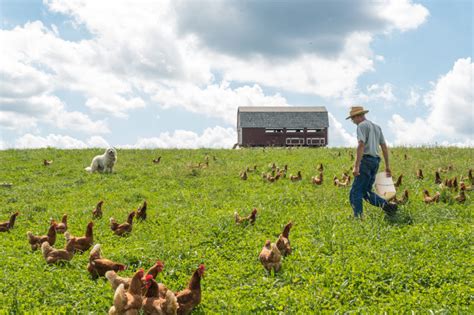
pixel 103 163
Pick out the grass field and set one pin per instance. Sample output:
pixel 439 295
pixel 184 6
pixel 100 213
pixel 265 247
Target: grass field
pixel 420 261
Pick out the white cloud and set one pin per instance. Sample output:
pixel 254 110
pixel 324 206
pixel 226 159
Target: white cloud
pixel 29 141
pixel 216 100
pixel 217 137
pixel 450 113
pixel 414 97
pixel 97 142
pixel 338 136
pixel 403 14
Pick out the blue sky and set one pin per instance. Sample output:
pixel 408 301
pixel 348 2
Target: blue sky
pixel 172 73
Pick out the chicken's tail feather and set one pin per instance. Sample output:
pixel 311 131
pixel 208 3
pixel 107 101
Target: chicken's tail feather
pixel 120 298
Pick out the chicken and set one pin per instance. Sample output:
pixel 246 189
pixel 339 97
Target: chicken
pixel 250 218
pixel 85 242
pixel 461 197
pixel 283 242
pixel 141 211
pixel 8 225
pixel 438 179
pixel 115 280
pixel 419 174
pixel 128 302
pixel 243 175
pixel 36 241
pixel 341 183
pixel 190 297
pixel 47 162
pixel 154 304
pixel 320 167
pixel 398 183
pixel 428 199
pixel 153 271
pixel 98 265
pixel 271 178
pixel 462 186
pixel 62 227
pixel 97 212
pixel 317 180
pixel 270 257
pixel 53 255
pixel 157 160
pixel 124 228
pixel 252 170
pixel 295 178
pixel 401 201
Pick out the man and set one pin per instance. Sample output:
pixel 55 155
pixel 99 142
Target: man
pixel 369 137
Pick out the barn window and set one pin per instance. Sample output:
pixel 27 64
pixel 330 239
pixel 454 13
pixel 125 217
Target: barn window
pixel 273 130
pixel 315 141
pixel 311 130
pixel 293 130
pixel 294 141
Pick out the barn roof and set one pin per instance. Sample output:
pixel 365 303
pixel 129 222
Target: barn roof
pixel 282 117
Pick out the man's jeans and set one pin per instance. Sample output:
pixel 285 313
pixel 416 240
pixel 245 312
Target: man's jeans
pixel 362 186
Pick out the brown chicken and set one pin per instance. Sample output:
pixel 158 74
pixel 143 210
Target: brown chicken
pixel 85 242
pixel 36 241
pixel 317 180
pixel 97 212
pixel 47 162
pixel 270 257
pixel 342 183
pixel 462 186
pixel 283 242
pixel 250 218
pixel 141 211
pixel 124 228
pixel 461 197
pixel 438 179
pixel 62 227
pixel 98 265
pixel 157 160
pixel 428 199
pixel 53 255
pixel 403 200
pixel 190 297
pixel 320 167
pixel 115 280
pixel 398 183
pixel 243 175
pixel 8 225
pixel 154 303
pixel 419 174
pixel 128 302
pixel 295 178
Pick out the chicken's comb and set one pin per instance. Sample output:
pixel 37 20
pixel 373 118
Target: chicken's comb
pixel 202 267
pixel 160 263
pixel 148 277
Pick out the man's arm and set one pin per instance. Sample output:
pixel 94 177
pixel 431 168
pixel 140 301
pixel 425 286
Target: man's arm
pixel 360 151
pixel 385 157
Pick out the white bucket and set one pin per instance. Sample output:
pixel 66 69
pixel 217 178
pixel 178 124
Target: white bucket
pixel 384 186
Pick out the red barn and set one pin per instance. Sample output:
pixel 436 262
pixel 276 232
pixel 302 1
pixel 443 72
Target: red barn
pixel 282 126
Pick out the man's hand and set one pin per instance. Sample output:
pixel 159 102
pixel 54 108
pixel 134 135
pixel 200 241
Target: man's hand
pixel 355 171
pixel 388 172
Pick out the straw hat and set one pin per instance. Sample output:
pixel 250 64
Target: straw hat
pixel 357 110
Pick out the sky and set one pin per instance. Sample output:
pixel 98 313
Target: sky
pixel 171 74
